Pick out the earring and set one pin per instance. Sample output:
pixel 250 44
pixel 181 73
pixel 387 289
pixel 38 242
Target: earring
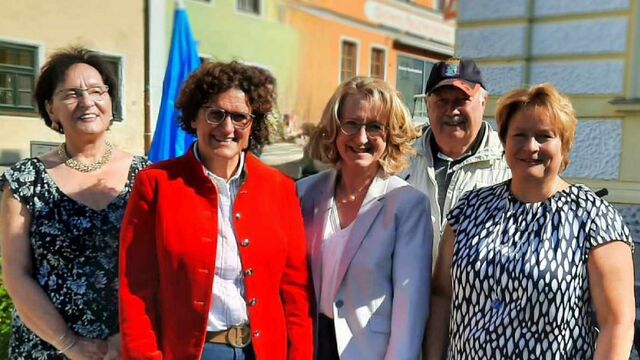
pixel 55 126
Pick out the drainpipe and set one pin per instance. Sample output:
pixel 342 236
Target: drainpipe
pixel 147 96
pixel 529 43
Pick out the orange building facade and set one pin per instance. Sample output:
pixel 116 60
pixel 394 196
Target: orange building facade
pixel 394 40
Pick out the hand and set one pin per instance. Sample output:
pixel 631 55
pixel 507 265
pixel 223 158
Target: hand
pixel 114 348
pixel 87 349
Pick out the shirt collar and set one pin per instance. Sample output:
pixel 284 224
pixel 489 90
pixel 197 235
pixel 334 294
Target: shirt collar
pixel 239 174
pixel 474 149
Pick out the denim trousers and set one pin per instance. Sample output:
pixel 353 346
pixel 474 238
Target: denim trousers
pixel 227 352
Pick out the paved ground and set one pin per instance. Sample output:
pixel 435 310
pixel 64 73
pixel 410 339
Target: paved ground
pixel 287 157
pixel 280 153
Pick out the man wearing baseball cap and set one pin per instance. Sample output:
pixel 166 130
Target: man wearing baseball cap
pixel 458 151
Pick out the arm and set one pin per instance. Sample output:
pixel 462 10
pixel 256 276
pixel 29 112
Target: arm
pixel 438 325
pixel 31 302
pixel 296 289
pixel 411 279
pixel 611 285
pixel 114 348
pixel 139 275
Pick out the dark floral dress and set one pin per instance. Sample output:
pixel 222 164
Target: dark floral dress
pixel 75 256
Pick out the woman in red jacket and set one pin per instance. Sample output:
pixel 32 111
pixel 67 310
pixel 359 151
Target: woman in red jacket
pixel 213 255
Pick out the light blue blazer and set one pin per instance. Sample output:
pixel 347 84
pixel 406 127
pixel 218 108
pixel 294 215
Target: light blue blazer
pixel 384 276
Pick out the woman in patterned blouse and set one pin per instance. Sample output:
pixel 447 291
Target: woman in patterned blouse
pixel 61 215
pixel 522 262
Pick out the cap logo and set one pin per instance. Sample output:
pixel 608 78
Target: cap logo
pixel 451 68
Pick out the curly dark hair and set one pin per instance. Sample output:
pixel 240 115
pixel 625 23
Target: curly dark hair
pixel 214 78
pixel 54 70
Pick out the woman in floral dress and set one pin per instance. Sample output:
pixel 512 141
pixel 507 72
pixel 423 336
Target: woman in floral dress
pixel 61 215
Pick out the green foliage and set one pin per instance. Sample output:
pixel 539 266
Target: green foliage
pixel 5 321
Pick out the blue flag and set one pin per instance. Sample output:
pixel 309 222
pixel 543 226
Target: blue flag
pixel 169 140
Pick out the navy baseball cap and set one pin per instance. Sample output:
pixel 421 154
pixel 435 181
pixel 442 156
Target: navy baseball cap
pixel 461 73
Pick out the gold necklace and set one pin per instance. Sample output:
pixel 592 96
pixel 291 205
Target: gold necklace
pixel 85 168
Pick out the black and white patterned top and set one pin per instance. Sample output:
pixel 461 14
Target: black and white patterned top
pixel 75 256
pixel 519 273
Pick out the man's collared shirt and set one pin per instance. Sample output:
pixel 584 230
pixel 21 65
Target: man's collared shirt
pixel 228 306
pixel 444 166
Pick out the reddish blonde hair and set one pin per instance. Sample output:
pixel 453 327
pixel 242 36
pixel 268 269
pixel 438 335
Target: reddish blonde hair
pixel 546 98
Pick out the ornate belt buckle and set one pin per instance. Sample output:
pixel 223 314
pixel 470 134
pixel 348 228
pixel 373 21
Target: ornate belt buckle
pixel 239 336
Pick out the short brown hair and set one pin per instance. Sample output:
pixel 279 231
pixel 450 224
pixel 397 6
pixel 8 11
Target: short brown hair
pixel 214 78
pixel 55 69
pixel 547 98
pixel 401 132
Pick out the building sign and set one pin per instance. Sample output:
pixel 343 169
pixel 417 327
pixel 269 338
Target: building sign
pixel 405 21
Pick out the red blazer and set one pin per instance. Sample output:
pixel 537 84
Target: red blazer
pixel 167 261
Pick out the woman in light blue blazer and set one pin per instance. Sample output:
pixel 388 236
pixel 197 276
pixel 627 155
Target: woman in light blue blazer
pixel 369 232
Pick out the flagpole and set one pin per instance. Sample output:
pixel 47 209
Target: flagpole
pixel 147 95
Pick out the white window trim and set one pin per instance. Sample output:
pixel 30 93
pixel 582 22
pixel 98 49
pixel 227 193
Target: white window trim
pixel 260 13
pixel 385 63
pixel 344 39
pixel 121 81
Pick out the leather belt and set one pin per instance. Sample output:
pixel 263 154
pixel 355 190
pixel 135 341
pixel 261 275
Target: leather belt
pixel 238 336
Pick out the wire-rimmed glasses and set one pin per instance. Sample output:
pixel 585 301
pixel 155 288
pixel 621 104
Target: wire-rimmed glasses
pixel 372 129
pixel 216 116
pixel 97 93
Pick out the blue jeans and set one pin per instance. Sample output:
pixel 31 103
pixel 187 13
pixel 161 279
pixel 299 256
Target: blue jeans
pixel 227 352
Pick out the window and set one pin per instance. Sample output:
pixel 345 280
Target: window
pixel 18 65
pixel 378 63
pixel 411 78
pixel 249 6
pixel 115 64
pixel 348 60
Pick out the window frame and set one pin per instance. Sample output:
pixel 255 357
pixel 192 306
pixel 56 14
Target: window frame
pixel 259 10
pixel 356 61
pixel 384 60
pixel 118 104
pixel 16 70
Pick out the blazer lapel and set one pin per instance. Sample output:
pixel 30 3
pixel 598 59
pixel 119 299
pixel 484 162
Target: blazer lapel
pixel 321 208
pixel 369 210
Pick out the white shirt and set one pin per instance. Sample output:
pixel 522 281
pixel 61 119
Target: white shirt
pixel 228 306
pixel 333 244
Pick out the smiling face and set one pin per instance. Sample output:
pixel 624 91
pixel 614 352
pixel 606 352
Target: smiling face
pixel 455 119
pixel 220 145
pixel 533 147
pixel 79 113
pixel 360 150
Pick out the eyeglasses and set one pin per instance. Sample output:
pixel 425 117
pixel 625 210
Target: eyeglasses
pixel 372 129
pixel 72 95
pixel 216 116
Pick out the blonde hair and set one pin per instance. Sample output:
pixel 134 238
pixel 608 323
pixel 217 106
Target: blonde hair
pixel 543 97
pixel 400 134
